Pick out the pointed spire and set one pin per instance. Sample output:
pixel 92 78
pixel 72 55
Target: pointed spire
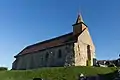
pixel 79 19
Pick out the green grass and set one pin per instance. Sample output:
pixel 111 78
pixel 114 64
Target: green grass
pixel 57 73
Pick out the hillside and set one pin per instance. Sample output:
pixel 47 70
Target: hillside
pixel 58 73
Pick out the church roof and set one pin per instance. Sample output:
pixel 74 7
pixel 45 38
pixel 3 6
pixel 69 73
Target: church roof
pixel 61 40
pixel 54 42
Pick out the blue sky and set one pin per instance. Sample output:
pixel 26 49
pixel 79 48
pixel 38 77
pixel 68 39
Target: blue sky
pixel 24 22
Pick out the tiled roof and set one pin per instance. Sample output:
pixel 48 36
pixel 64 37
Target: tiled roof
pixel 61 40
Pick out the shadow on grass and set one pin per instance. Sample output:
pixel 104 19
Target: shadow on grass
pixel 109 76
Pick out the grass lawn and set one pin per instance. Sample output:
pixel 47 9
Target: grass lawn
pixel 57 73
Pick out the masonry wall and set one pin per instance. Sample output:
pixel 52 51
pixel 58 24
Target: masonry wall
pixel 57 56
pixel 80 48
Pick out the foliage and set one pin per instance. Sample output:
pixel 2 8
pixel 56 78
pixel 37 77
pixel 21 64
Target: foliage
pixel 56 73
pixel 3 68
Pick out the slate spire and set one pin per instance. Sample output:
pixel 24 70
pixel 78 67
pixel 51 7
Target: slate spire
pixel 79 19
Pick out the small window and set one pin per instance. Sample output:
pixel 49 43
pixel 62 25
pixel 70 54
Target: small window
pixel 59 53
pixel 46 56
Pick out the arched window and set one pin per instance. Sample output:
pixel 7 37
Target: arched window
pixel 59 53
pixel 88 52
pixel 47 55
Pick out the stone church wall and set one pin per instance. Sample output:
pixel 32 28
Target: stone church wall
pixel 56 56
pixel 80 48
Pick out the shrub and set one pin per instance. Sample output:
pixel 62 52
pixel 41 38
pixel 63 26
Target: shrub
pixel 3 68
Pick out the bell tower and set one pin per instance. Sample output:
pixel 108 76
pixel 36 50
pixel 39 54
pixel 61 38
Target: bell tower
pixel 79 25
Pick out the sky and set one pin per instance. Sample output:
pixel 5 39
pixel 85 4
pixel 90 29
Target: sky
pixel 25 22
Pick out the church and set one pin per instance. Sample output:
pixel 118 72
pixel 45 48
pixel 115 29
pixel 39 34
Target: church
pixel 73 49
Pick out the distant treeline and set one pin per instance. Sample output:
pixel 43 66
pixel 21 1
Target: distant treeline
pixel 3 68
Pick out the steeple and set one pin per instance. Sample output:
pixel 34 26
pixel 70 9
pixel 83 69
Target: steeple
pixel 79 19
pixel 79 25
